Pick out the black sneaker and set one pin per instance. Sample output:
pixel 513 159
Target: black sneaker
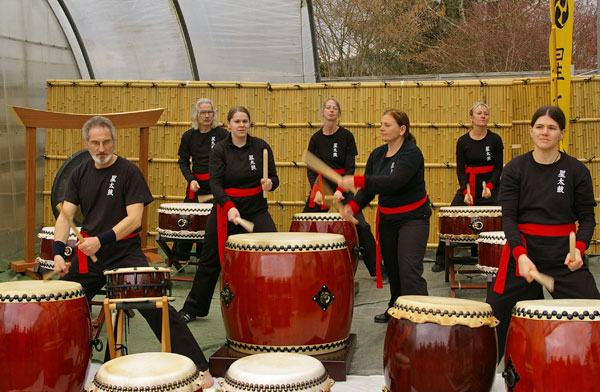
pixel 437 268
pixel 187 316
pixel 382 318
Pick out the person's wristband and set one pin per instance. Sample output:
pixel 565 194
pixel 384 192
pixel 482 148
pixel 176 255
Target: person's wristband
pixel 58 249
pixel 106 237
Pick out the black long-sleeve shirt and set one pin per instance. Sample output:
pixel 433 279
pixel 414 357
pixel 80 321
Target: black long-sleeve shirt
pixel 241 167
pixel 554 194
pixel 338 151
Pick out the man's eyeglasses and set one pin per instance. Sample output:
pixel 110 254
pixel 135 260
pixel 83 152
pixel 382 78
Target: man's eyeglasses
pixel 206 112
pixel 105 143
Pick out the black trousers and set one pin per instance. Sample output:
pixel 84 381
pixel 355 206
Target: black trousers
pixel 209 266
pixel 403 246
pixel 567 284
pixel 182 340
pixel 366 240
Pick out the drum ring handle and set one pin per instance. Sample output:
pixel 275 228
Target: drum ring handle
pixel 68 251
pixel 183 223
pixel 510 375
pixel 476 226
pixel 97 344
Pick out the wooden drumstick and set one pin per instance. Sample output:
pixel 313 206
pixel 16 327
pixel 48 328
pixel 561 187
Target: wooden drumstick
pixel 203 198
pixel 469 193
pixel 74 228
pixel 246 224
pixel 314 163
pixel 50 275
pixel 337 205
pixel 543 279
pixel 265 169
pixel 572 247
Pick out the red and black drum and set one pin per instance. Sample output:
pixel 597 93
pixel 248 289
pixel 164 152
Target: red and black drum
pixel 46 258
pixel 138 282
pixel 160 372
pixel 553 345
pixel 183 221
pixel 328 222
pixel 464 223
pixel 45 335
pixel 271 372
pixel 439 344
pixel 287 292
pixel 490 245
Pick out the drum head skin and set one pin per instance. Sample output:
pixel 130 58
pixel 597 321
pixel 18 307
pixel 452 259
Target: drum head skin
pixel 276 372
pixel 443 311
pixel 559 309
pixel 492 237
pixel 317 216
pixel 285 242
pixel 185 208
pixel 471 211
pixel 131 270
pixel 39 290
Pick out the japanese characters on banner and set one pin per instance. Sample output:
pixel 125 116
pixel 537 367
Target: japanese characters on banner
pixel 560 50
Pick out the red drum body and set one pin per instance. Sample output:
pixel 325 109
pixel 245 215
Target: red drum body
pixel 183 221
pixel 46 236
pixel 287 292
pixel 45 335
pixel 457 334
pixel 490 245
pixel 464 223
pixel 554 345
pixel 160 372
pixel 138 282
pixel 328 222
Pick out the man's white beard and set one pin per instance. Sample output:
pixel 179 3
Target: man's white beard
pixel 101 161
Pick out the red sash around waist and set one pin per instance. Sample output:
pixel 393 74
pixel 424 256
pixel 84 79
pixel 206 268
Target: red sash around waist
pixel 472 171
pixel 318 187
pixel 82 258
pixel 389 211
pixel 222 214
pixel 201 177
pixel 530 229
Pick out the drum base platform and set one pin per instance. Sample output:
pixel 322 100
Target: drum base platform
pixel 336 363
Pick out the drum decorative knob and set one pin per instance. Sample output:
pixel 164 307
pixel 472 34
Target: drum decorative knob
pixel 476 226
pixel 510 375
pixel 183 223
pixel 324 298
pixel 68 251
pixel 227 295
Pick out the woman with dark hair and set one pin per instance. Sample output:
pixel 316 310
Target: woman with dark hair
pixel 479 158
pixel 335 145
pixel 396 172
pixel 543 193
pixel 236 182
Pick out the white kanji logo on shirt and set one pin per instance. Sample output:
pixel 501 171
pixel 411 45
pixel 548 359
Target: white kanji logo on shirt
pixel 252 162
pixel 111 185
pixel 560 185
pixel 392 167
pixel 335 150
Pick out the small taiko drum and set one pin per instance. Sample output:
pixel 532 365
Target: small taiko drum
pixel 138 282
pixel 457 334
pixel 490 245
pixel 553 345
pixel 328 222
pixel 46 258
pixel 287 292
pixel 159 372
pixel 464 223
pixel 271 372
pixel 45 335
pixel 183 221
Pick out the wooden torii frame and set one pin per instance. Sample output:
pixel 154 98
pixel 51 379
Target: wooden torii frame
pixel 33 119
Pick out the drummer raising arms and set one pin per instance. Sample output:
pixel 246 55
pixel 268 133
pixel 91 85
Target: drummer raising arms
pixel 543 193
pixel 112 193
pixel 479 159
pixel 235 168
pixel 196 144
pixel 335 145
pixel 396 172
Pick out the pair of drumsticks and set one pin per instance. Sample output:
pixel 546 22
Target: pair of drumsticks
pixel 469 191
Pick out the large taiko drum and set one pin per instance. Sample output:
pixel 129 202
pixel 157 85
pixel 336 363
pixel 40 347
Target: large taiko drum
pixel 457 334
pixel 45 335
pixel 46 258
pixel 490 245
pixel 183 221
pixel 287 292
pixel 271 372
pixel 138 282
pixel 464 223
pixel 554 345
pixel 160 372
pixel 328 222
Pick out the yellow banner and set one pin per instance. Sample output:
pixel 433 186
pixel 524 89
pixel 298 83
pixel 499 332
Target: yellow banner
pixel 560 50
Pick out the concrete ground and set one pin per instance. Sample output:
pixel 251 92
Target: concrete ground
pixel 367 358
